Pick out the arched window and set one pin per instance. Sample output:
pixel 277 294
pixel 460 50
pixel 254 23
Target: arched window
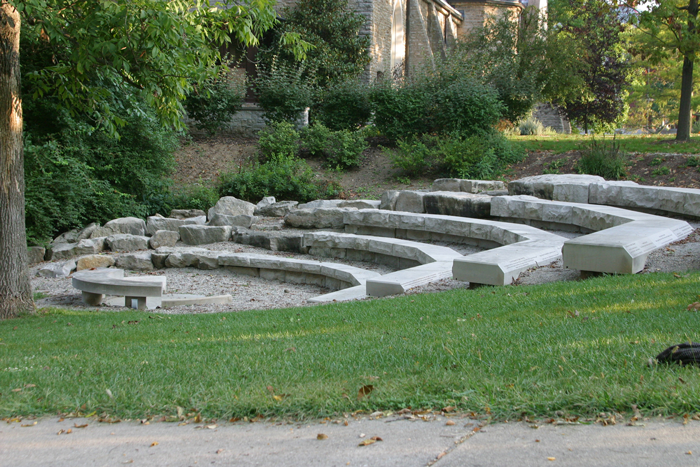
pixel 398 34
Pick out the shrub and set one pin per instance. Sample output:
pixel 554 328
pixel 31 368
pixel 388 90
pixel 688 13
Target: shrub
pixel 213 104
pixel 531 127
pixel 195 196
pixel 341 149
pixel 481 156
pixel 343 106
pixel 434 103
pixel 401 111
pixel 283 91
pixel 462 104
pixel 278 139
pixel 603 158
pixel 284 177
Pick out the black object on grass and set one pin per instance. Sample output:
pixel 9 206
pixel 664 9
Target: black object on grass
pixel 684 354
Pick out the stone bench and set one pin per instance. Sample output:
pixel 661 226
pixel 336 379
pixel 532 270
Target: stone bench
pixel 330 275
pixel 624 194
pixel 421 263
pixel 621 240
pixel 95 284
pixel 514 248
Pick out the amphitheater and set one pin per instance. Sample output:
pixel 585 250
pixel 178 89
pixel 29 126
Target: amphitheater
pixel 461 233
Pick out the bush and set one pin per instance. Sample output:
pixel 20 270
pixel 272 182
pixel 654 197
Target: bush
pixel 213 104
pixel 603 158
pixel 77 175
pixel 531 127
pixel 196 196
pixel 344 106
pixel 341 149
pixel 481 156
pixel 283 91
pixel 284 177
pixel 434 103
pixel 401 111
pixel 278 139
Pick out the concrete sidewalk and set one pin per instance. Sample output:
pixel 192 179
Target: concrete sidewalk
pixel 403 443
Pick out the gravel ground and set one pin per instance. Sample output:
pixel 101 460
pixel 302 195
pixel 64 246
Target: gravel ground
pixel 254 293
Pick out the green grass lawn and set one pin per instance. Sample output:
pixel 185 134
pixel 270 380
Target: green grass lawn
pixel 630 143
pixel 581 348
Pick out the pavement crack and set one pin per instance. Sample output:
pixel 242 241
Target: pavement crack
pixel 456 444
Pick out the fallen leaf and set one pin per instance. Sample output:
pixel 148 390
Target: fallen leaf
pixel 690 453
pixel 30 385
pixel 154 443
pixel 17 390
pixel 367 442
pixel 29 424
pixel 80 426
pixel 234 419
pixel 551 458
pixel 365 391
pixel 376 438
pixel 198 418
pixel 449 423
pixel 219 451
pixel 448 409
pixel 441 455
pixel 321 436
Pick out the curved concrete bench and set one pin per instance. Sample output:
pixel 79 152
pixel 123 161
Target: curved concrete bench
pixel 95 284
pixel 330 275
pixel 514 248
pixel 434 262
pixel 621 240
pixel 596 190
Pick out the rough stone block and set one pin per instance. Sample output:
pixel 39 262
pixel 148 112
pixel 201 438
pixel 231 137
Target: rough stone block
pixel 446 184
pixel 163 238
pixel 136 261
pixel 126 225
pixel 279 209
pixel 230 206
pixel 36 254
pixel 127 242
pixel 187 213
pixel 410 201
pixel 95 261
pixel 241 220
pixel 204 234
pixel 567 187
pixel 156 223
pixel 388 200
pixel 58 269
pixel 61 251
pixel 458 204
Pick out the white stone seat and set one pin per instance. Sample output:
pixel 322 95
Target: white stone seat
pixel 621 241
pixel 517 247
pixel 95 284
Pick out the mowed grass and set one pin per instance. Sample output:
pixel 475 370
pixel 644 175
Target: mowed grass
pixel 580 348
pixel 650 144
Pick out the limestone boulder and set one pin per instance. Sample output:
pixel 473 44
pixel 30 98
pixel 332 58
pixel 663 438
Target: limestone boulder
pixel 266 201
pixel 410 201
pixel 67 237
pixel 230 206
pixel 58 269
pixel 319 218
pixel 156 223
pixel 127 242
pixel 187 213
pixel 87 231
pixel 321 203
pixel 180 257
pixel 458 204
pixel 62 251
pixel 89 246
pixel 480 186
pixel 36 254
pixel 127 225
pixel 94 262
pixel 446 184
pixel 556 187
pixel 140 261
pixel 279 209
pixel 204 234
pixel 242 220
pixel 388 200
pixel 360 204
pixel 162 238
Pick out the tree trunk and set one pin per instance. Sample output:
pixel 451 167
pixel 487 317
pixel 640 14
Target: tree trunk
pixel 683 131
pixel 15 288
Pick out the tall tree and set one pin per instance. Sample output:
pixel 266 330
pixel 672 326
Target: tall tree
pixel 15 288
pixel 673 26
pixel 156 48
pixel 595 27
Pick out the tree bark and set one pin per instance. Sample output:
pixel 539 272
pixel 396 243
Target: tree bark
pixel 15 287
pixel 684 120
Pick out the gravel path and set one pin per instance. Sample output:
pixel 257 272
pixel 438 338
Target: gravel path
pixel 254 293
